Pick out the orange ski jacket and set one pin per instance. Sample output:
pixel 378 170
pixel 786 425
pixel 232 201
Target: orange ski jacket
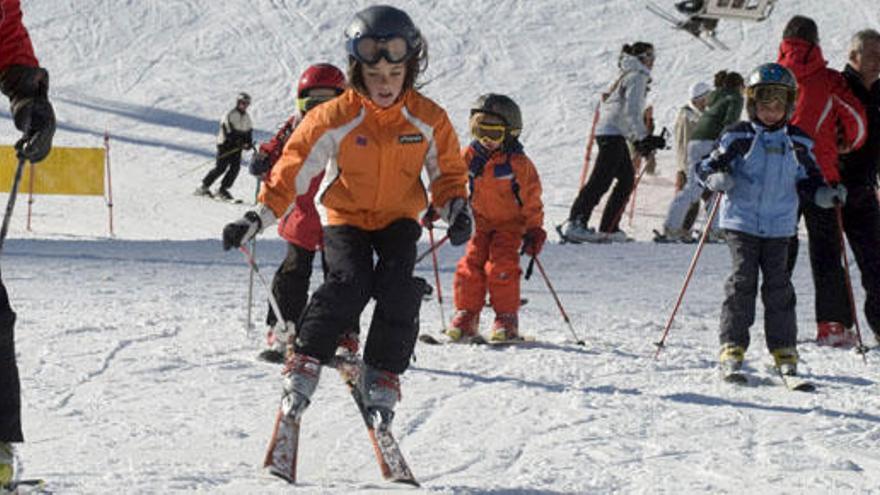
pixel 373 158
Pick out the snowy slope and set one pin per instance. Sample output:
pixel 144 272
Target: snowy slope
pixel 138 374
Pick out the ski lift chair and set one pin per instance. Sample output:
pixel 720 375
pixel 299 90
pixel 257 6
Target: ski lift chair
pixel 746 10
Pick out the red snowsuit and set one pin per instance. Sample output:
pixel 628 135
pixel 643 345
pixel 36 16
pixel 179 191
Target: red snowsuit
pixel 824 104
pixel 506 201
pixel 302 225
pixel 15 44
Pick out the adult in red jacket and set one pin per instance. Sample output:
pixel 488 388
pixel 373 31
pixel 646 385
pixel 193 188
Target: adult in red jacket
pixel 26 85
pixel 301 226
pixel 829 113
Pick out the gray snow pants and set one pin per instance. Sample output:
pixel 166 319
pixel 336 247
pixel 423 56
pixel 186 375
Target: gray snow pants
pixel 769 255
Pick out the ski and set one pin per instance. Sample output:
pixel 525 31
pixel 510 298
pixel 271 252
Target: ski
pixel 678 24
pixel 429 339
pixel 520 340
pixel 391 461
pixel 271 356
pixel 30 485
pixel 794 382
pixel 281 456
pixel 735 377
pixel 661 238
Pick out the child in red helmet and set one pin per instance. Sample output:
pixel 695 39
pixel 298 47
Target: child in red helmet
pixel 506 201
pixel 301 227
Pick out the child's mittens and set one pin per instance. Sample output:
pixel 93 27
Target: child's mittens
pixel 829 196
pixel 719 182
pixel 534 240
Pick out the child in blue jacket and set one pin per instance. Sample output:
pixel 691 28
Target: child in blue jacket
pixel 762 165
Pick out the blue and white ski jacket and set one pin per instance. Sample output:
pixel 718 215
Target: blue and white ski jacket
pixel 770 167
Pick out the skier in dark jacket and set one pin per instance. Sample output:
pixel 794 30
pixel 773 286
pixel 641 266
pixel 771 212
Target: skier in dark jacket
pixel 858 172
pixel 235 135
pixel 27 86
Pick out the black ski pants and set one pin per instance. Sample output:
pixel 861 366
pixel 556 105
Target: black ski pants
pixel 352 279
pixel 290 285
pixel 861 223
pixel 10 388
pixel 612 162
pixel 229 161
pixel 751 255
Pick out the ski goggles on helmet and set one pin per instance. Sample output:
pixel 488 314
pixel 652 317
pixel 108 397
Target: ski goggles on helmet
pixel 309 102
pixel 370 49
pixel 770 93
pixel 489 133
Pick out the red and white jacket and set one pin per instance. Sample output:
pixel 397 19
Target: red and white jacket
pixel 826 109
pixel 302 225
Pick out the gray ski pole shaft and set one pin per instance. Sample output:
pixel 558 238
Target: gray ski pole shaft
pixel 862 349
pixel 10 203
pixel 253 264
pixel 250 298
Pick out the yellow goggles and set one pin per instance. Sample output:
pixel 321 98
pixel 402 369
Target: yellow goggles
pixel 492 133
pixel 310 102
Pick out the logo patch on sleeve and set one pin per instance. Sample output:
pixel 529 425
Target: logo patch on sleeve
pixel 410 138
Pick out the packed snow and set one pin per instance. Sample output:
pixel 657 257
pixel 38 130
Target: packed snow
pixel 138 370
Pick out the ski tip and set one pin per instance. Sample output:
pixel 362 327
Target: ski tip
pixel 407 481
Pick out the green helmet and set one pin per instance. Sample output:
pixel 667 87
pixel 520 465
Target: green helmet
pixel 500 106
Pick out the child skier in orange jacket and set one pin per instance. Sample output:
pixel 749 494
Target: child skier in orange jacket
pixel 506 201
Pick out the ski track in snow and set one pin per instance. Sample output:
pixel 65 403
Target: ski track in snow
pixel 139 375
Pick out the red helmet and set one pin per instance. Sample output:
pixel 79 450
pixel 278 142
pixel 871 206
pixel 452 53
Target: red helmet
pixel 321 76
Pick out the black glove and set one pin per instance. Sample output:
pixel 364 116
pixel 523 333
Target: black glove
pixel 28 88
pixel 460 220
pixel 259 164
pixel 239 232
pixel 647 145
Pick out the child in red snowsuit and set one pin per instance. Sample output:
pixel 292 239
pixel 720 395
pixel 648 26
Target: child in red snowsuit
pixel 506 201
pixel 301 227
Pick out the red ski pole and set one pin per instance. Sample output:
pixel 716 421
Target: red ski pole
pixel 690 273
pixel 433 246
pixel 849 289
pixel 585 170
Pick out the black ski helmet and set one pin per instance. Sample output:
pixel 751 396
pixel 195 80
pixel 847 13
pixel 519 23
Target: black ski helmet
pixel 382 22
pixel 500 106
pixel 243 97
pixel 771 74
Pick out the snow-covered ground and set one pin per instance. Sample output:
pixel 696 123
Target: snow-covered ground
pixel 139 375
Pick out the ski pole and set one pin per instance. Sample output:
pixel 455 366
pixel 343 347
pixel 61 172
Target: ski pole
pixel 632 201
pixel 272 301
pixel 10 203
pixel 862 349
pixel 250 298
pixel 433 246
pixel 690 273
pixel 590 141
pixel 207 162
pixel 558 302
pixel 437 276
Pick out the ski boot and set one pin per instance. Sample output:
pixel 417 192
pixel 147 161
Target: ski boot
pixel 203 191
pixel 505 327
pixel 380 391
pixel 7 464
pixel 616 236
pixel 301 374
pixel 224 195
pixel 348 345
pixel 465 326
pixel 277 339
pixel 786 359
pixel 577 231
pixel 730 363
pixel 834 334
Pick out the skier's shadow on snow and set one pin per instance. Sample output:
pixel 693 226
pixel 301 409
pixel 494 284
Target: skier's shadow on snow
pixel 501 491
pixel 706 400
pixel 549 387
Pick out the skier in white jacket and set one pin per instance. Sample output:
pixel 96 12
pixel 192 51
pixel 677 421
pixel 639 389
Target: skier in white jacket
pixel 621 112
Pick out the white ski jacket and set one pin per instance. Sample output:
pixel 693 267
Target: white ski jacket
pixel 621 112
